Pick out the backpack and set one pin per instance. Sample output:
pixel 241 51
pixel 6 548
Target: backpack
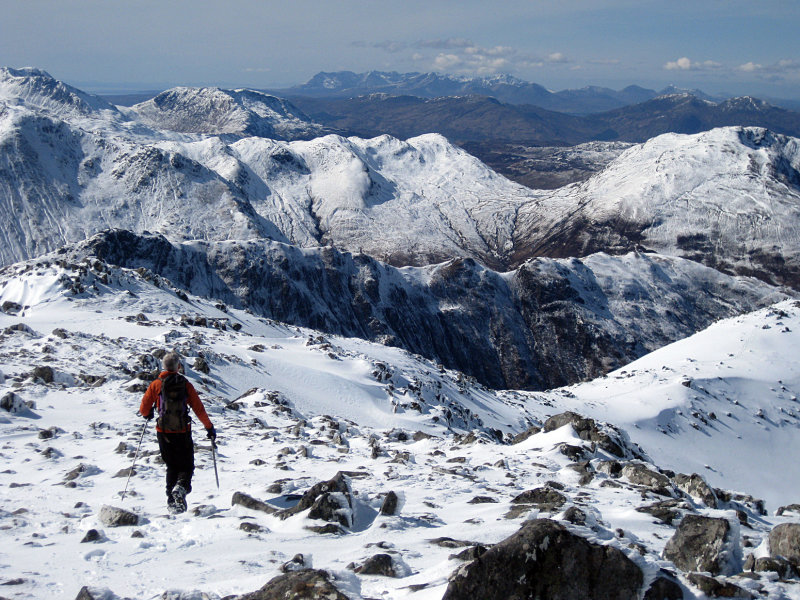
pixel 173 410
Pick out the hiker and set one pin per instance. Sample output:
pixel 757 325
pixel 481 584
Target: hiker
pixel 170 396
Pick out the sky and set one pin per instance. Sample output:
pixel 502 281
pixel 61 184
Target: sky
pixel 720 46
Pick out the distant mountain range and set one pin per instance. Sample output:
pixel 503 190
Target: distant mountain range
pixel 505 88
pixel 483 119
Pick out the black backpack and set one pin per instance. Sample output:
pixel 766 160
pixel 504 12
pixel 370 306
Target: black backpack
pixel 173 410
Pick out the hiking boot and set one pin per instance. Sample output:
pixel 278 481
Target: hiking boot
pixel 172 508
pixel 179 498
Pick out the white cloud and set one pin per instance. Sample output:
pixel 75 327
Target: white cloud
pixel 557 57
pixel 685 64
pixel 782 67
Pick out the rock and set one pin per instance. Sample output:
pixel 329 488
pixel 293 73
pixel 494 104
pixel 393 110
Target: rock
pixel 111 516
pixel 251 527
pixel 126 472
pixel 309 584
pixel 80 470
pixel 298 563
pixel 638 474
pixel 60 333
pixel 45 373
pixel 572 452
pixel 446 542
pixel 584 470
pixel 471 553
pixel 544 498
pixel 545 560
pixel 696 487
pixel 390 502
pixel 13 403
pixel 521 437
pixel 575 516
pixel 483 500
pixel 703 544
pixel 243 499
pixel 10 308
pixel 715 588
pixel 380 564
pixel 778 565
pixel 784 540
pixel 330 528
pixel 328 500
pixel 795 508
pixel 666 511
pixel 612 468
pixel 93 535
pixel 49 433
pixel 664 588
pixel 586 429
pixel 95 593
pixel 201 365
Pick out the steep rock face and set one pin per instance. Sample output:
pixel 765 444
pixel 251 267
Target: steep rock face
pixel 216 111
pixel 549 323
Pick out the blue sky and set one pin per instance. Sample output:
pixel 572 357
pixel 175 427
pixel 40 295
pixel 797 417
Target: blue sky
pixel 733 46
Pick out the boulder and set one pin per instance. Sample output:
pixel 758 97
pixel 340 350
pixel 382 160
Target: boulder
pixel 380 564
pixel 246 501
pixel 521 437
pixel 696 487
pixel 715 588
pixel 784 540
pixel 45 373
pixel 328 500
pixel 586 429
pixel 779 565
pixel 703 544
pixel 111 516
pixel 545 560
pixel 795 508
pixel 666 511
pixel 664 588
pixel 390 502
pixel 308 584
pixel 95 593
pixel 639 474
pixel 13 403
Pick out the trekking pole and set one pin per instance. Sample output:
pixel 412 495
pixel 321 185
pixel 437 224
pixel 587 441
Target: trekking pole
pixel 214 456
pixel 135 456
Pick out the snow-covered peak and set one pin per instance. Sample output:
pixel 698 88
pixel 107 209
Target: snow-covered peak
pixel 745 103
pixel 216 111
pixel 728 197
pixel 38 90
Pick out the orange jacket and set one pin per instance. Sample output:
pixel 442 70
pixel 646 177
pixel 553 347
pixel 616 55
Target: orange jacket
pixel 153 396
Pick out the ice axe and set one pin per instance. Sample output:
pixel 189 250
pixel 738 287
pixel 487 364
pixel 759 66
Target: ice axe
pixel 214 457
pixel 135 456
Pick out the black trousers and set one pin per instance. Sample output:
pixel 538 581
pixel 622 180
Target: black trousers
pixel 177 451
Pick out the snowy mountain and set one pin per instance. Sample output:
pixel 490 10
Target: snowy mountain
pixel 217 112
pixel 690 434
pixel 728 198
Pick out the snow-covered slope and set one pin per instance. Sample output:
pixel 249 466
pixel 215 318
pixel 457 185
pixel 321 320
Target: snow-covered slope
pixel 729 198
pixel 76 349
pixel 216 111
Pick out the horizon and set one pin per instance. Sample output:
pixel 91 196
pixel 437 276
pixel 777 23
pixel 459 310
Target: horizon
pixel 728 48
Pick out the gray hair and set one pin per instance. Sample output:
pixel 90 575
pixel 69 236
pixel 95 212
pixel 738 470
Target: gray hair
pixel 171 361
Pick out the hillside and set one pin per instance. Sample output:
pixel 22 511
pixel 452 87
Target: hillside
pixel 78 344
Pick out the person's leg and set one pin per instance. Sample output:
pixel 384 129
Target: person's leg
pixel 184 468
pixel 167 446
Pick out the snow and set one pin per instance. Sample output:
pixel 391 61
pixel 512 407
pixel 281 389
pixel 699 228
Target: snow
pixel 740 366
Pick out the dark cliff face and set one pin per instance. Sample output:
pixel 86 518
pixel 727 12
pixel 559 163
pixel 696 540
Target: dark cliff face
pixel 547 324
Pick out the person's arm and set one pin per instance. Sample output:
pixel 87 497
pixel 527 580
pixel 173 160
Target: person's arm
pixel 197 406
pixel 149 398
